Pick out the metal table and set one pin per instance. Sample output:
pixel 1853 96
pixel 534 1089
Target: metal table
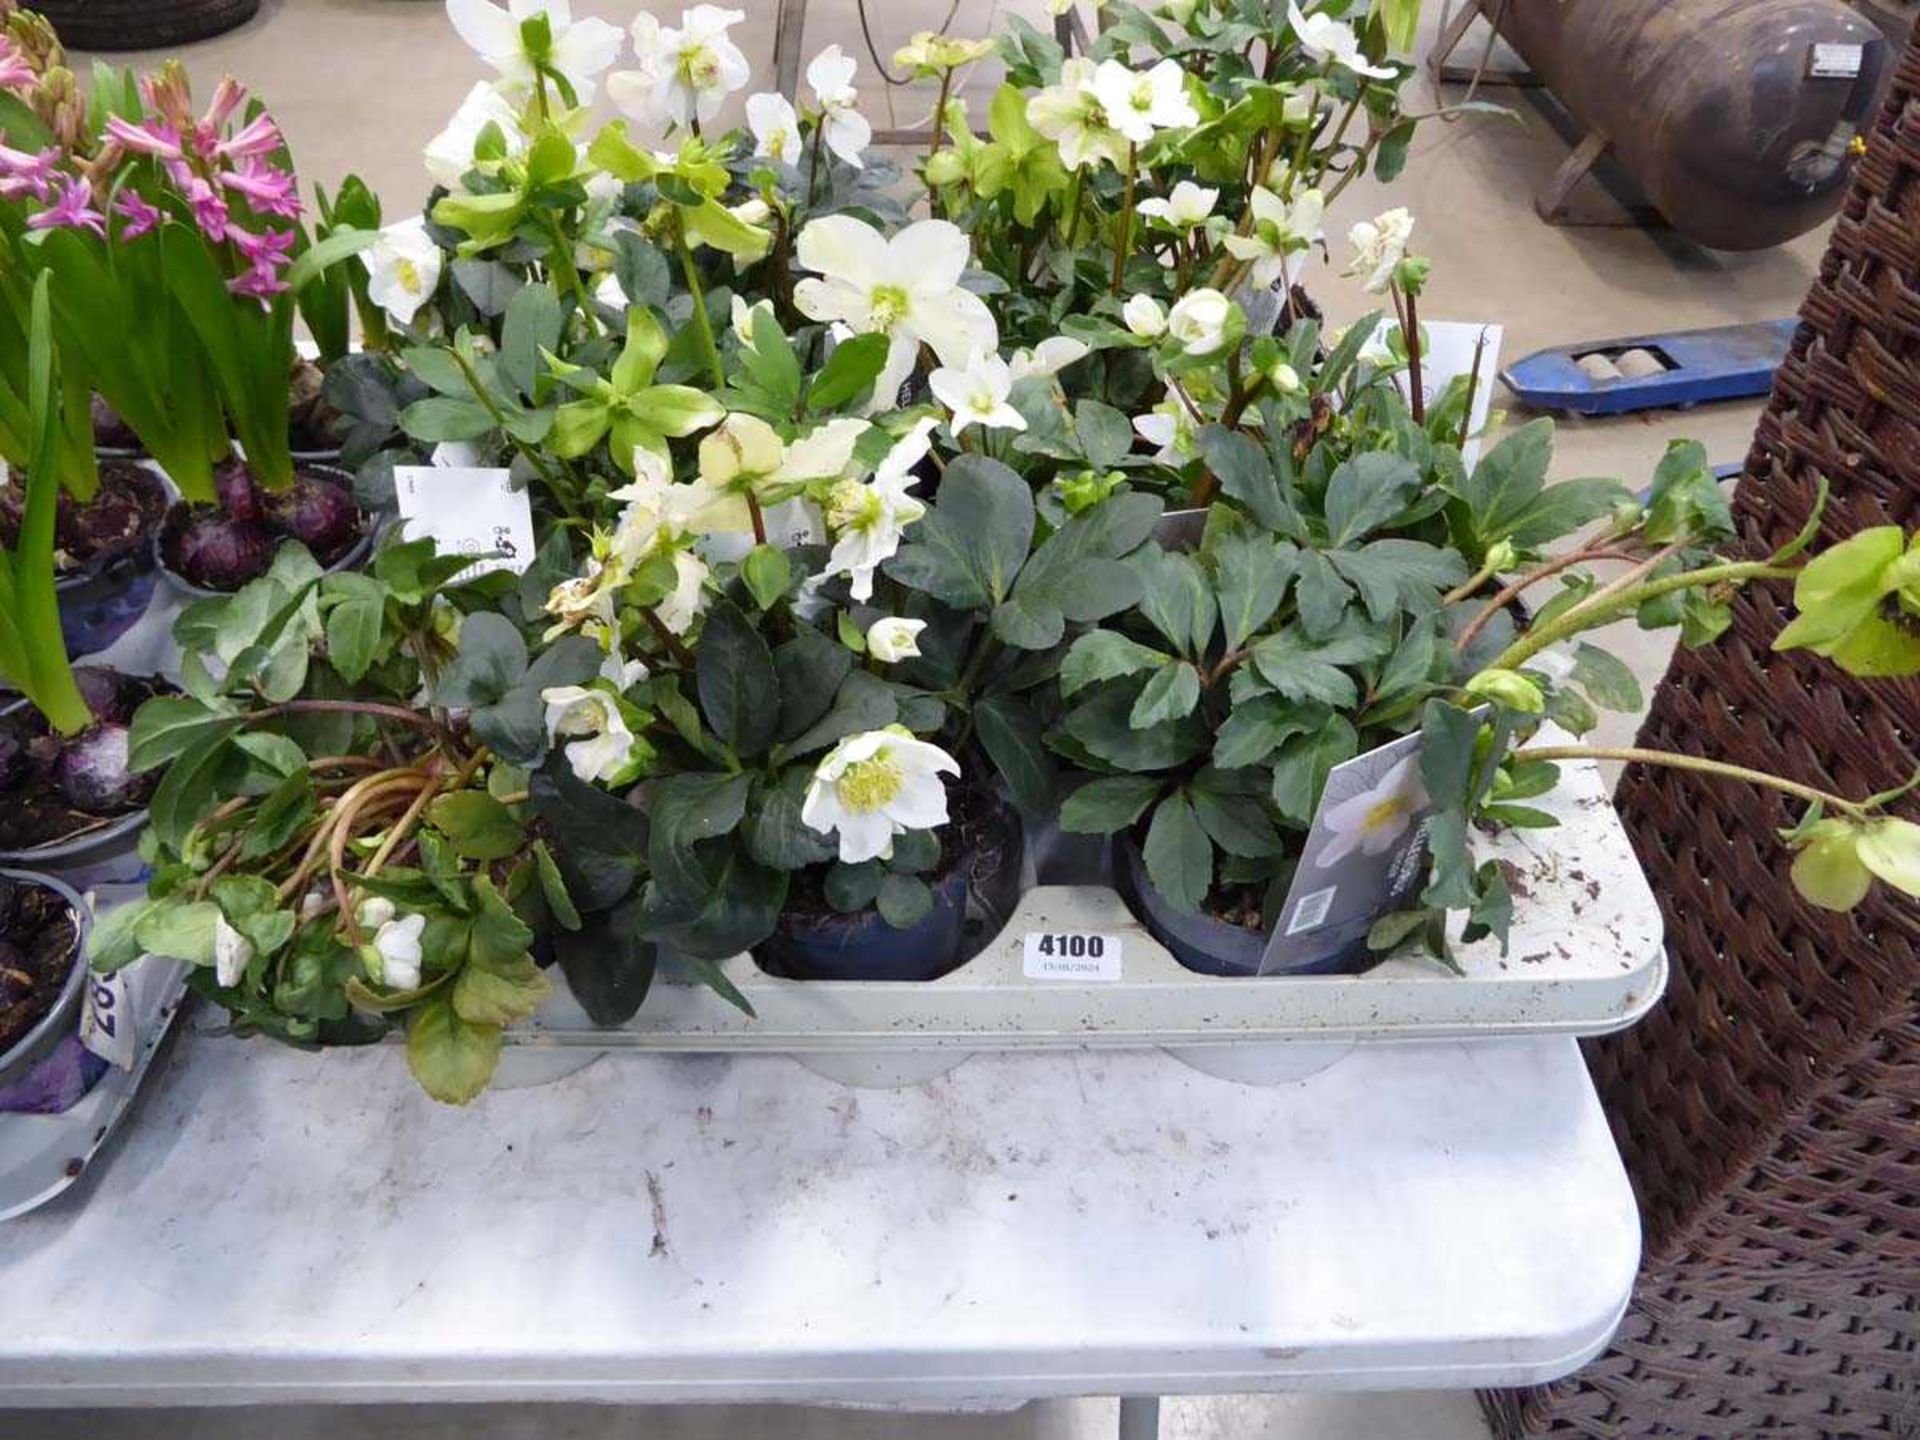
pixel 286 1227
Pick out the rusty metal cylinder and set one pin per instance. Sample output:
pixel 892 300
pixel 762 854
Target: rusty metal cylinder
pixel 1734 116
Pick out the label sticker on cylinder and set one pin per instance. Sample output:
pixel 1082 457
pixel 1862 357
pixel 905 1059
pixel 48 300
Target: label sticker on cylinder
pixel 1070 955
pixel 1836 62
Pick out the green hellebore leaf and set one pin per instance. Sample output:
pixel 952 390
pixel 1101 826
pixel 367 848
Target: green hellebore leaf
pixel 453 1059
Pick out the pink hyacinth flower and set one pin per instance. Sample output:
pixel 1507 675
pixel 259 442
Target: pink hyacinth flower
pixel 73 210
pixel 140 217
pixel 259 282
pixel 23 173
pixel 259 136
pixel 271 247
pixel 15 72
pixel 150 137
pixel 227 96
pixel 269 189
pixel 208 206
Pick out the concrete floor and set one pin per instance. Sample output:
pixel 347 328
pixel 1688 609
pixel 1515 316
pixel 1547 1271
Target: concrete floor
pixel 367 82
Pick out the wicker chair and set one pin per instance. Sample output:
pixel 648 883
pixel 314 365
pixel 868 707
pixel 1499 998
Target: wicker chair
pixel 1769 1110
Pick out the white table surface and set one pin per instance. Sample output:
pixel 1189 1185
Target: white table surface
pixel 290 1227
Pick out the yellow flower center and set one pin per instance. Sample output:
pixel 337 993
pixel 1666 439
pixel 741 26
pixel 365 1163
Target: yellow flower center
pixel 1383 815
pixel 889 306
pixel 408 274
pixel 854 506
pixel 700 67
pixel 1141 96
pixel 869 785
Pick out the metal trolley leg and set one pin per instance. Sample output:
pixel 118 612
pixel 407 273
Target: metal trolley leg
pixel 1140 1417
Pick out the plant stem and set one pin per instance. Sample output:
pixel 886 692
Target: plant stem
pixel 1585 617
pixel 939 134
pixel 397 713
pixel 532 456
pixel 1519 586
pixel 1123 240
pixel 1697 763
pixel 702 325
pixel 813 165
pixel 561 256
pixel 1410 332
pixel 674 645
pixel 755 514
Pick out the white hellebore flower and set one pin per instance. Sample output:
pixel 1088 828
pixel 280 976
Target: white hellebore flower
pixel 1048 358
pixel 1329 40
pixel 1071 115
pixel 396 940
pixel 232 952
pixel 1137 103
pixel 1199 319
pixel 403 268
pixel 844 129
pixel 623 673
pixel 868 519
pixel 743 315
pixel 577 49
pixel 685 75
pixel 1380 244
pixel 1186 206
pixel 976 393
pixel 689 594
pixel 1280 230
pixel 600 745
pixel 449 155
pixel 1144 317
pixel 744 457
pixel 874 786
pixel 1171 427
pixel 906 287
pixel 775 126
pixel 894 639
pixel 1373 820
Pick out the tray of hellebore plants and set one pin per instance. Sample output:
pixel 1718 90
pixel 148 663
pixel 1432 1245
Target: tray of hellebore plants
pixel 962 627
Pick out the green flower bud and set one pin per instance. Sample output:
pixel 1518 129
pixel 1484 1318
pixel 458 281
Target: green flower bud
pixel 1508 688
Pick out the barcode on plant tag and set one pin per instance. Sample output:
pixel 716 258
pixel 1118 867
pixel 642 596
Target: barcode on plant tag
pixel 1070 955
pixel 106 1025
pixel 1311 912
pixel 1836 62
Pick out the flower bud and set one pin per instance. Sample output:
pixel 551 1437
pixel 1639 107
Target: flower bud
pixel 1509 688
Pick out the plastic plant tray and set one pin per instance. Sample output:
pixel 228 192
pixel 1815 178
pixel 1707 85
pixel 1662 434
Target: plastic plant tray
pixel 1585 958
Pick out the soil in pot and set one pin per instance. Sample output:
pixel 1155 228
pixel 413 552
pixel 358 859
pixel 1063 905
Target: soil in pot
pixel 103 553
pixel 979 859
pixel 55 788
pixel 39 946
pixel 221 547
pixel 310 418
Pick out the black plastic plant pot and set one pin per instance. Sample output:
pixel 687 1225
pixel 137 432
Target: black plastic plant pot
pixel 99 605
pixel 350 557
pixel 21 1057
pixel 864 947
pixel 1213 947
pixel 108 546
pixel 970 903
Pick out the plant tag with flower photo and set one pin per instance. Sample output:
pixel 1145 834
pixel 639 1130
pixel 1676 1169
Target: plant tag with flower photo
pixel 106 1024
pixel 1364 857
pixel 1070 955
pixel 470 510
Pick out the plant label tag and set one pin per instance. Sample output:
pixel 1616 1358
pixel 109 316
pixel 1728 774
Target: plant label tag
pixel 106 1024
pixel 1365 857
pixel 467 510
pixel 1070 955
pixel 1835 62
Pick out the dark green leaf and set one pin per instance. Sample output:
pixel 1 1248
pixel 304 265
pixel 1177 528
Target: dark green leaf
pixel 1256 727
pixel 739 692
pixel 1250 575
pixel 1509 478
pixel 168 725
pixel 1170 694
pixel 974 540
pixel 1302 764
pixel 863 702
pixel 852 888
pixel 1366 492
pixel 609 964
pixel 904 901
pixel 776 835
pixel 1105 655
pixel 1176 598
pixel 1101 726
pixel 1237 823
pixel 480 827
pixel 1010 733
pixel 810 668
pixel 1101 807
pixel 1608 680
pixel 1179 854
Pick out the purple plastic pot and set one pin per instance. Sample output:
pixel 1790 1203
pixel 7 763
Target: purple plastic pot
pixel 19 1061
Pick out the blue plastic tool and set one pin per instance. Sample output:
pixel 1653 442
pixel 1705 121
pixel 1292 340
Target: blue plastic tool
pixel 1679 369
